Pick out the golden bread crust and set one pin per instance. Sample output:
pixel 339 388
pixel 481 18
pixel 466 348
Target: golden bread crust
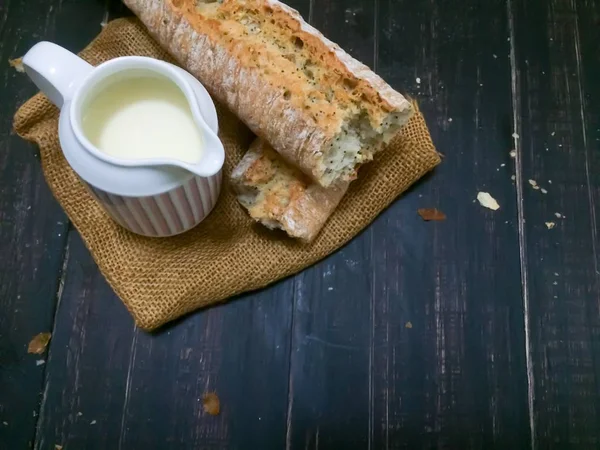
pixel 283 78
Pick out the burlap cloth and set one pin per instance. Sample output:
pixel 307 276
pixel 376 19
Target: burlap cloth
pixel 162 279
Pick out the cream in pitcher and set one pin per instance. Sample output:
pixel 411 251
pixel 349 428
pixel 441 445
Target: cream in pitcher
pixel 142 117
pixel 140 133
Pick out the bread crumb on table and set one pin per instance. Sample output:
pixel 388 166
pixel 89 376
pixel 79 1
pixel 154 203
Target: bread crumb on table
pixel 38 343
pixel 211 403
pixel 17 64
pixel 487 201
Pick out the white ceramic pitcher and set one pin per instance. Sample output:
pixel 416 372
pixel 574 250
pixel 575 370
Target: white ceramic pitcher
pixel 151 197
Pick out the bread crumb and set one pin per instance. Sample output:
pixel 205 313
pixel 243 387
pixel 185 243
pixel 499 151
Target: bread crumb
pixel 544 191
pixel 17 64
pixel 5 423
pixel 428 214
pixel 211 404
pixel 557 214
pixel 534 184
pixel 418 80
pixel 487 201
pixel 38 343
pixel 513 177
pixel 515 136
pixel 39 362
pixel 513 153
pixel 93 422
pixel 553 133
pixel 408 325
pixel 449 119
pixel 58 447
pixel 550 225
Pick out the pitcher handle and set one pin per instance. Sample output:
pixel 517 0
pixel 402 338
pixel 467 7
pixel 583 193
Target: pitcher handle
pixel 55 71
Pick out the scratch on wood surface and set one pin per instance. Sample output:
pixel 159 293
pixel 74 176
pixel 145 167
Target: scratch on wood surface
pixel 371 414
pixel 478 93
pixel 371 374
pixel 290 393
pixel 591 201
pixel 440 350
pixel 375 35
pixel 63 272
pixel 59 293
pixel 515 90
pixel 104 21
pixel 132 353
pixel 331 344
pixel 41 416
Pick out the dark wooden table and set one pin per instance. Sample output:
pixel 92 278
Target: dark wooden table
pixel 482 331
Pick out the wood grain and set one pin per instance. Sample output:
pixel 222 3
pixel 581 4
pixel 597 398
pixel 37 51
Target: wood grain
pixel 556 69
pixel 481 331
pixel 449 360
pixel 331 342
pixel 240 352
pixel 33 228
pixel 113 386
pixel 91 350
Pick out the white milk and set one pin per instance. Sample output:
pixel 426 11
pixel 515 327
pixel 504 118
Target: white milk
pixel 142 117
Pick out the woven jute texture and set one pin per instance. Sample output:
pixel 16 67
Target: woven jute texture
pixel 162 279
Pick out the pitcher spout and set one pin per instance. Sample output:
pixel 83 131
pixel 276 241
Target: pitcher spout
pixel 214 152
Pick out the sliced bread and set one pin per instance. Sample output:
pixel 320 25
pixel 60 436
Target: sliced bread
pixel 280 196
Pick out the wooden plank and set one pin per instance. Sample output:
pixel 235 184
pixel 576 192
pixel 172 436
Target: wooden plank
pixel 448 349
pixel 90 354
pixel 556 73
pixel 329 378
pixel 33 227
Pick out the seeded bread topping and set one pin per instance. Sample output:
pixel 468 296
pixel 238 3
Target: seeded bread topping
pixel 322 110
pixel 331 91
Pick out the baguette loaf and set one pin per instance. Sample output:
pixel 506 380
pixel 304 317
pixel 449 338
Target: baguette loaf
pixel 280 196
pixel 321 109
